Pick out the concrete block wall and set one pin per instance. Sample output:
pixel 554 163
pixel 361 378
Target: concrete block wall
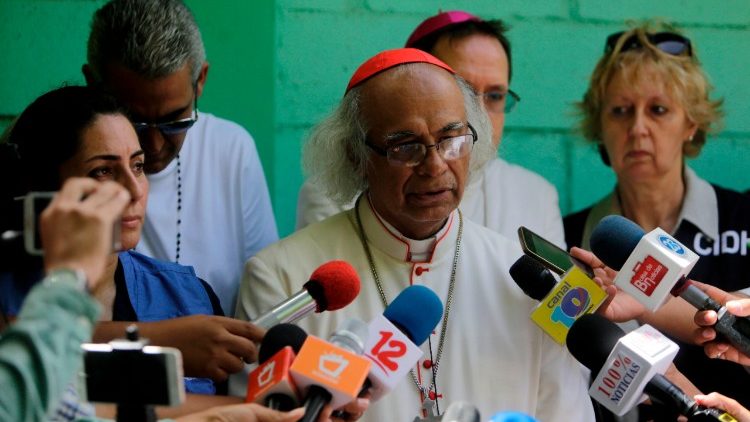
pixel 279 66
pixel 555 46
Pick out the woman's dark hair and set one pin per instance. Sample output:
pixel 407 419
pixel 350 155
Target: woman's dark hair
pixel 45 135
pixel 48 133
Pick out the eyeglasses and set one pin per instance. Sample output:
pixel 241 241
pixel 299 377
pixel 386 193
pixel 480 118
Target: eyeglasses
pixel 171 128
pixel 413 153
pixel 668 42
pixel 500 102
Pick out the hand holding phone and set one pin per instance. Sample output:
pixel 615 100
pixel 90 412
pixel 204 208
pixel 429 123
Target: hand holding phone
pixel 548 254
pixel 77 233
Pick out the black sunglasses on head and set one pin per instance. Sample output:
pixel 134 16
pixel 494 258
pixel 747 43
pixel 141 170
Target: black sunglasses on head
pixel 668 42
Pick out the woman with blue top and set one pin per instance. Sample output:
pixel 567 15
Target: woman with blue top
pixel 80 132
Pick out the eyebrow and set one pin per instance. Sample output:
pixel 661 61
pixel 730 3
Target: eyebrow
pixel 172 115
pixel 111 157
pixel 396 136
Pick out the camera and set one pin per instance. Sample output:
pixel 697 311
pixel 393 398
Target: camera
pixel 132 374
pixel 33 205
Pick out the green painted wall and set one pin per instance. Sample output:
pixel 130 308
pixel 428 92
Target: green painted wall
pixel 555 46
pixel 278 66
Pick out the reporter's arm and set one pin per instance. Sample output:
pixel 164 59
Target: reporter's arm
pixel 212 346
pixel 730 406
pixel 41 351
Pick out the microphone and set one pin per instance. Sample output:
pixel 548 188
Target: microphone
pixel 511 417
pixel 332 286
pixel 629 365
pixel 461 412
pixel 395 337
pixel 457 412
pixel 655 264
pixel 561 303
pixel 332 371
pixel 270 384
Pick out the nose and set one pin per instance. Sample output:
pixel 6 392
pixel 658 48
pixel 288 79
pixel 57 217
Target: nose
pixel 433 163
pixel 151 139
pixel 131 182
pixel 639 125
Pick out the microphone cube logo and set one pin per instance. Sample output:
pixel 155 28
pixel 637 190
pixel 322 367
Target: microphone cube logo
pixel 266 374
pixel 332 365
pixel 573 304
pixel 576 294
pixel 648 274
pixel 672 244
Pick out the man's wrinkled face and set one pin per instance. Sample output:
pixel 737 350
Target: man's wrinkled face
pixel 414 103
pixel 153 101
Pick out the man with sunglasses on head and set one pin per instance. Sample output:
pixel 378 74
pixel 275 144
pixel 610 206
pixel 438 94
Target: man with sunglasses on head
pixel 503 196
pixel 406 139
pixel 209 205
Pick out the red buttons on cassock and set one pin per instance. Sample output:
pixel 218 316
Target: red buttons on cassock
pixel 419 270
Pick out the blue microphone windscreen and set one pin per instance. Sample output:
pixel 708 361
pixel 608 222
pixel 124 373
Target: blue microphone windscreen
pixel 416 311
pixel 614 239
pixel 512 417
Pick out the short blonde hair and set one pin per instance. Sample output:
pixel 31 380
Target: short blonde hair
pixel 682 76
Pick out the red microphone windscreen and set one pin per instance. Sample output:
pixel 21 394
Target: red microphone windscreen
pixel 333 285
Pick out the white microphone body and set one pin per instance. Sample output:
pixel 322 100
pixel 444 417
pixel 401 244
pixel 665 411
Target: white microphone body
pixel 636 358
pixel 392 354
pixel 654 267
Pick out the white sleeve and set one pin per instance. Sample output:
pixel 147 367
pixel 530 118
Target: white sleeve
pixel 313 205
pixel 553 222
pixel 259 223
pixel 563 392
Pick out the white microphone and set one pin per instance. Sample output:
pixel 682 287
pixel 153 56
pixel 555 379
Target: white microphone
pixel 395 337
pixel 649 265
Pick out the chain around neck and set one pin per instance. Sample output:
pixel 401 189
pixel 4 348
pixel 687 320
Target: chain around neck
pixel 179 209
pixel 444 329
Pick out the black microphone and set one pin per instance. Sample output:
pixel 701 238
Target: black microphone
pixel 594 340
pixel 270 383
pixel 655 264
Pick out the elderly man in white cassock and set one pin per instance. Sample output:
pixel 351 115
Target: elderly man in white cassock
pixel 409 133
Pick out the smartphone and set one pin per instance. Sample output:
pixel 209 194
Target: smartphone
pixel 548 254
pixel 147 376
pixel 33 205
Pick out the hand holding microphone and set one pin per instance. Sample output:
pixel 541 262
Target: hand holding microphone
pixel 626 366
pixel 560 303
pixel 332 286
pixel 653 265
pixel 706 320
pixel 718 401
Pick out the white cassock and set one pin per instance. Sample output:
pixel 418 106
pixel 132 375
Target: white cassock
pixel 494 356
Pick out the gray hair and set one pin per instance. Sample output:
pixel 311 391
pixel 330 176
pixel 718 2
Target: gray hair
pixel 335 155
pixel 153 38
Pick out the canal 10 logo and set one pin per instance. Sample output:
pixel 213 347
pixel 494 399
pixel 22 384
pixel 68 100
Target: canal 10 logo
pixel 571 304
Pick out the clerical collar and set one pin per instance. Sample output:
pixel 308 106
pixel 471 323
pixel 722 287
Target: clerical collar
pixel 419 250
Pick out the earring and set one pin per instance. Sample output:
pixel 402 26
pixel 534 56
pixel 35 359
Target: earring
pixel 690 139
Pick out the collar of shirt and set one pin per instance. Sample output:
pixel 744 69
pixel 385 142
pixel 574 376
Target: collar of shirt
pixel 699 207
pixel 383 236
